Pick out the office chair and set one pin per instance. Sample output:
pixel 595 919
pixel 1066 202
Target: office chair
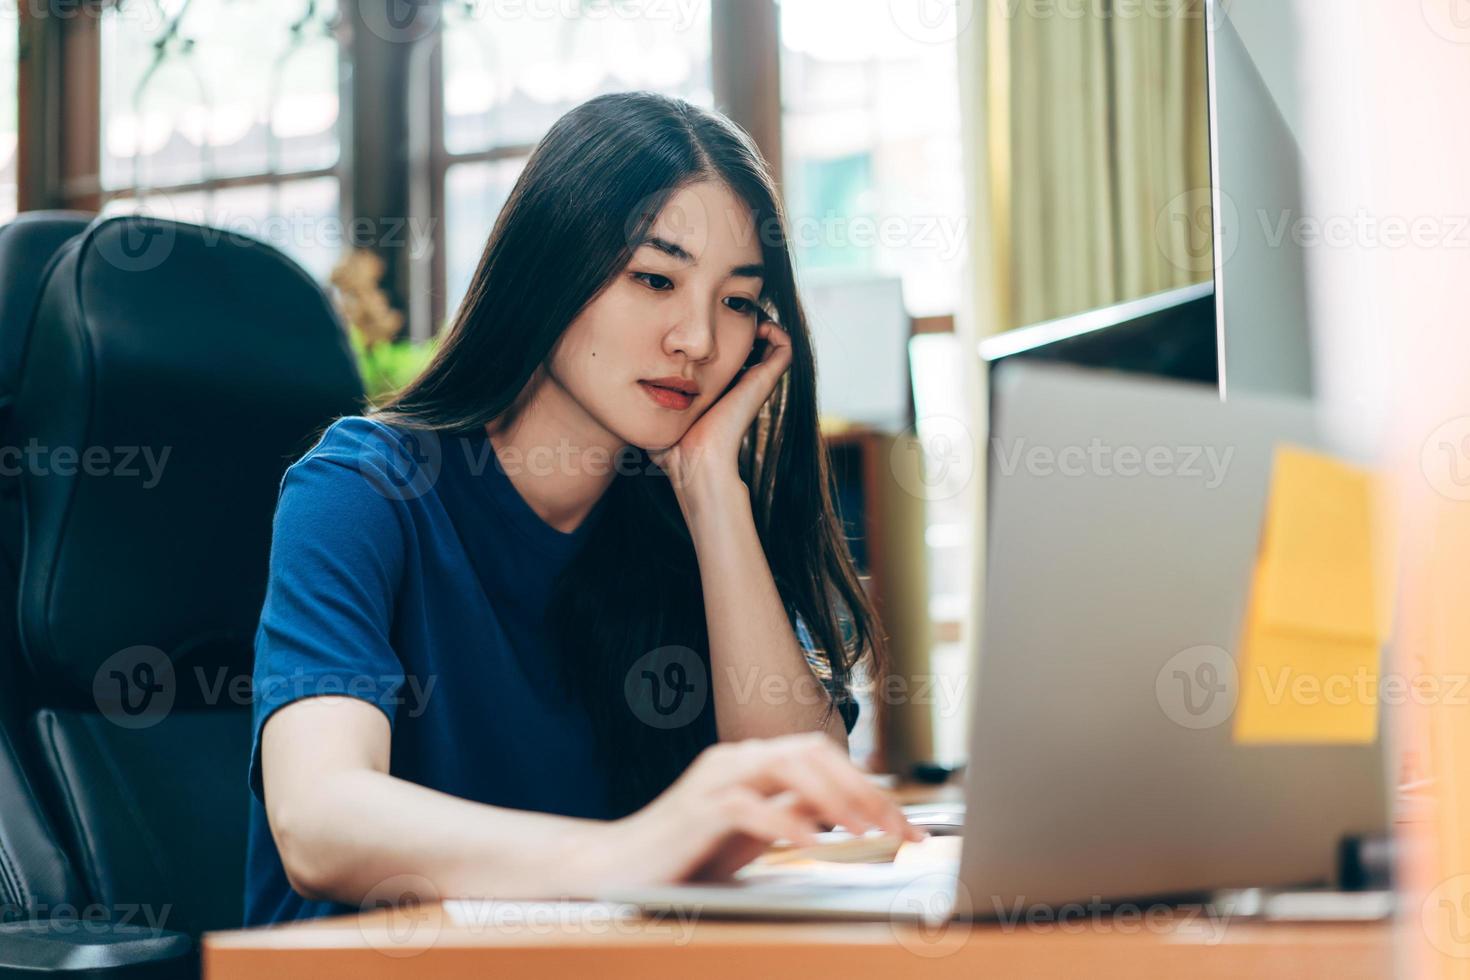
pixel 27 246
pixel 171 374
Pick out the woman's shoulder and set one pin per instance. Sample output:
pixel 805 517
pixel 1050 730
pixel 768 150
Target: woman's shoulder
pixel 352 437
pixel 396 462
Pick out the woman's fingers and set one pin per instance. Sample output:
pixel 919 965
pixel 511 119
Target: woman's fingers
pixel 775 333
pixel 778 347
pixel 826 781
pixel 768 818
pixel 734 854
pixel 860 794
pixel 762 376
pixel 710 827
pixel 878 805
pixel 756 823
pixel 741 796
pixel 823 790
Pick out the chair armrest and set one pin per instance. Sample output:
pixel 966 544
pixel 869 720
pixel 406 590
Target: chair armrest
pixel 74 949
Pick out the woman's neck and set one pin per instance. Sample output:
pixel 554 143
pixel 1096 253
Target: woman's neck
pixel 559 459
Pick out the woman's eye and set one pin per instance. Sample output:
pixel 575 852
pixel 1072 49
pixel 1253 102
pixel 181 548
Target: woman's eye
pixel 742 305
pixel 654 281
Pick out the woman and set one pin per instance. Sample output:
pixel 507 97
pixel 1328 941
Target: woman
pixel 532 627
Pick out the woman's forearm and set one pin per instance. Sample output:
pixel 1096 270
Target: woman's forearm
pixel 762 683
pixel 362 829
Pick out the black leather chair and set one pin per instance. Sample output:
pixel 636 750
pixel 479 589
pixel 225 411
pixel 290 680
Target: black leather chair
pixel 171 374
pixel 28 244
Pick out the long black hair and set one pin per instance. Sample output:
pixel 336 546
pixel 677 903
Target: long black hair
pixel 587 195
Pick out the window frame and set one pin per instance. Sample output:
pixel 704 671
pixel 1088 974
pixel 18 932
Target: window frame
pixel 59 125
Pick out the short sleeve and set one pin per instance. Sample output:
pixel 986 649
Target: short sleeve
pixel 847 706
pixel 336 559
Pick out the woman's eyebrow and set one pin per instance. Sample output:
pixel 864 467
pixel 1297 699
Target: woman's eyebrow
pixel 754 270
pixel 668 248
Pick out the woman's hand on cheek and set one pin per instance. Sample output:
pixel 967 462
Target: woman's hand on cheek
pixel 710 448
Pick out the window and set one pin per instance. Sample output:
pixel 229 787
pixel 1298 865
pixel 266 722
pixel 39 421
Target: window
pixel 870 139
pixel 475 192
pixel 510 70
pixel 9 107
pixel 950 467
pixel 225 113
pixel 299 217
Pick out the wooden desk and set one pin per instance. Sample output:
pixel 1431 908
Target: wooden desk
pixel 504 942
pixel 426 943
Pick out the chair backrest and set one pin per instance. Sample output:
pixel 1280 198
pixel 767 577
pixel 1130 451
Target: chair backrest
pixel 36 873
pixel 173 373
pixel 27 246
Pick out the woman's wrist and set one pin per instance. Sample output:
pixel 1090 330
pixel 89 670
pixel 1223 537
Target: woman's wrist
pixel 605 853
pixel 712 500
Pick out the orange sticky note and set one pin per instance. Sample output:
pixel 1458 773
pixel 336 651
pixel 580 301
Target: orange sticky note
pixel 1316 572
pixel 1309 658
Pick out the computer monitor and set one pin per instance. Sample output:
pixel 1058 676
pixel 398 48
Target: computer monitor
pixel 1168 335
pixel 1261 300
pixel 1247 331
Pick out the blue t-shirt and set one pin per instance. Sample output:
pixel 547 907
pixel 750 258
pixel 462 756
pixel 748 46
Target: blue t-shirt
pixel 407 570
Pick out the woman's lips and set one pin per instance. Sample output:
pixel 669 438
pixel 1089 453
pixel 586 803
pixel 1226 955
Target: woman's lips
pixel 667 397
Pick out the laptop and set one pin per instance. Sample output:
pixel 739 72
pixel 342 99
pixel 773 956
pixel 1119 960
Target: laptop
pixel 1125 515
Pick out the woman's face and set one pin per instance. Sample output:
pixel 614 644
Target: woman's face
pixel 682 313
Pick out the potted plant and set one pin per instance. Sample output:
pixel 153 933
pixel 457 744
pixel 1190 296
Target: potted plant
pixel 385 361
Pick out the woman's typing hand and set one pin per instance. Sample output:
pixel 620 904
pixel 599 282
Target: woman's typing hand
pixel 734 801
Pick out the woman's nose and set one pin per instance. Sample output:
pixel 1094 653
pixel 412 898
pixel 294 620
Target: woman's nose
pixel 693 334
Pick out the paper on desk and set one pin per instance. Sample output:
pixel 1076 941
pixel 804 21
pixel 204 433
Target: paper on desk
pixel 1318 611
pixel 502 916
pixel 838 847
pixel 914 859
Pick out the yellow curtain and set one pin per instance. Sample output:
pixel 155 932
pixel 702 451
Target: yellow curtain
pixel 1089 141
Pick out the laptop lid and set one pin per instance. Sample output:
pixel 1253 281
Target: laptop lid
pixel 1125 516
